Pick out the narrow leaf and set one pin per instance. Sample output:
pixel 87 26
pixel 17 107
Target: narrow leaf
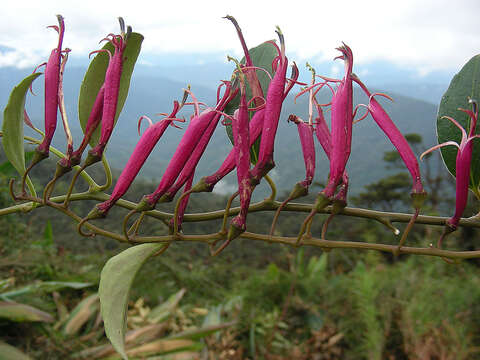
pixel 95 76
pixel 463 85
pixel 13 122
pixel 43 286
pixel 23 313
pixel 115 282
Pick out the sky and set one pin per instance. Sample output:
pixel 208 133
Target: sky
pixel 422 35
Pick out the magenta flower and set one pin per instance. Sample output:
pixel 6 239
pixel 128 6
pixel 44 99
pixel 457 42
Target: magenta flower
pixel 241 136
pixel 191 164
pixel 322 131
pixel 398 140
pixel 140 154
pixel 53 95
pixel 189 141
pixel 462 166
pixel 324 138
pixel 52 82
pixel 248 68
pixel 342 121
pixel 92 123
pixel 110 98
pixel 275 95
pixel 305 133
pixel 53 99
pixel 207 183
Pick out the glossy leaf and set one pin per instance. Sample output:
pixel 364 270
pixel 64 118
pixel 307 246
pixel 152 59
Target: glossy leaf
pixel 262 56
pixel 463 85
pixel 115 282
pixel 95 76
pixel 12 126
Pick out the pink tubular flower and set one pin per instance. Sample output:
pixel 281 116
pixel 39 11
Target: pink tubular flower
pixel 342 121
pixel 189 141
pixel 462 165
pixel 207 183
pixel 398 140
pixel 241 136
pixel 248 69
pixel 140 154
pixel 322 131
pixel 324 138
pixel 52 83
pixel 305 133
pixel 92 123
pixel 191 164
pixel 110 99
pixel 275 95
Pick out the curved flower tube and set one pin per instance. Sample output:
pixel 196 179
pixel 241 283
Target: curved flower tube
pixel 140 154
pixel 273 107
pixel 110 98
pixel 462 166
pixel 341 128
pixel 189 141
pixel 241 136
pixel 396 137
pixel 207 183
pixel 52 83
pixel 52 98
pixel 93 121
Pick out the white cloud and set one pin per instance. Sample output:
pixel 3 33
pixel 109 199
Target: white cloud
pixel 427 35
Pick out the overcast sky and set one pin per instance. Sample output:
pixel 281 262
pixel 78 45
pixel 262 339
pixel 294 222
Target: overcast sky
pixel 418 34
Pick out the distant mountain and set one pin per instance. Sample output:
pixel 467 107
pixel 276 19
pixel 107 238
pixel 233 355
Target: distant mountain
pixel 151 94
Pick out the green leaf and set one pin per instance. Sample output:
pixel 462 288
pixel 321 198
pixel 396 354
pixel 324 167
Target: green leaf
pixel 9 352
pixel 463 85
pixel 7 168
pixel 12 126
pixel 115 282
pixel 23 313
pixel 95 76
pixel 262 56
pixel 45 286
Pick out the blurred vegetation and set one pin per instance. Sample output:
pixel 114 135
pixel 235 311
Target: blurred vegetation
pixel 254 301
